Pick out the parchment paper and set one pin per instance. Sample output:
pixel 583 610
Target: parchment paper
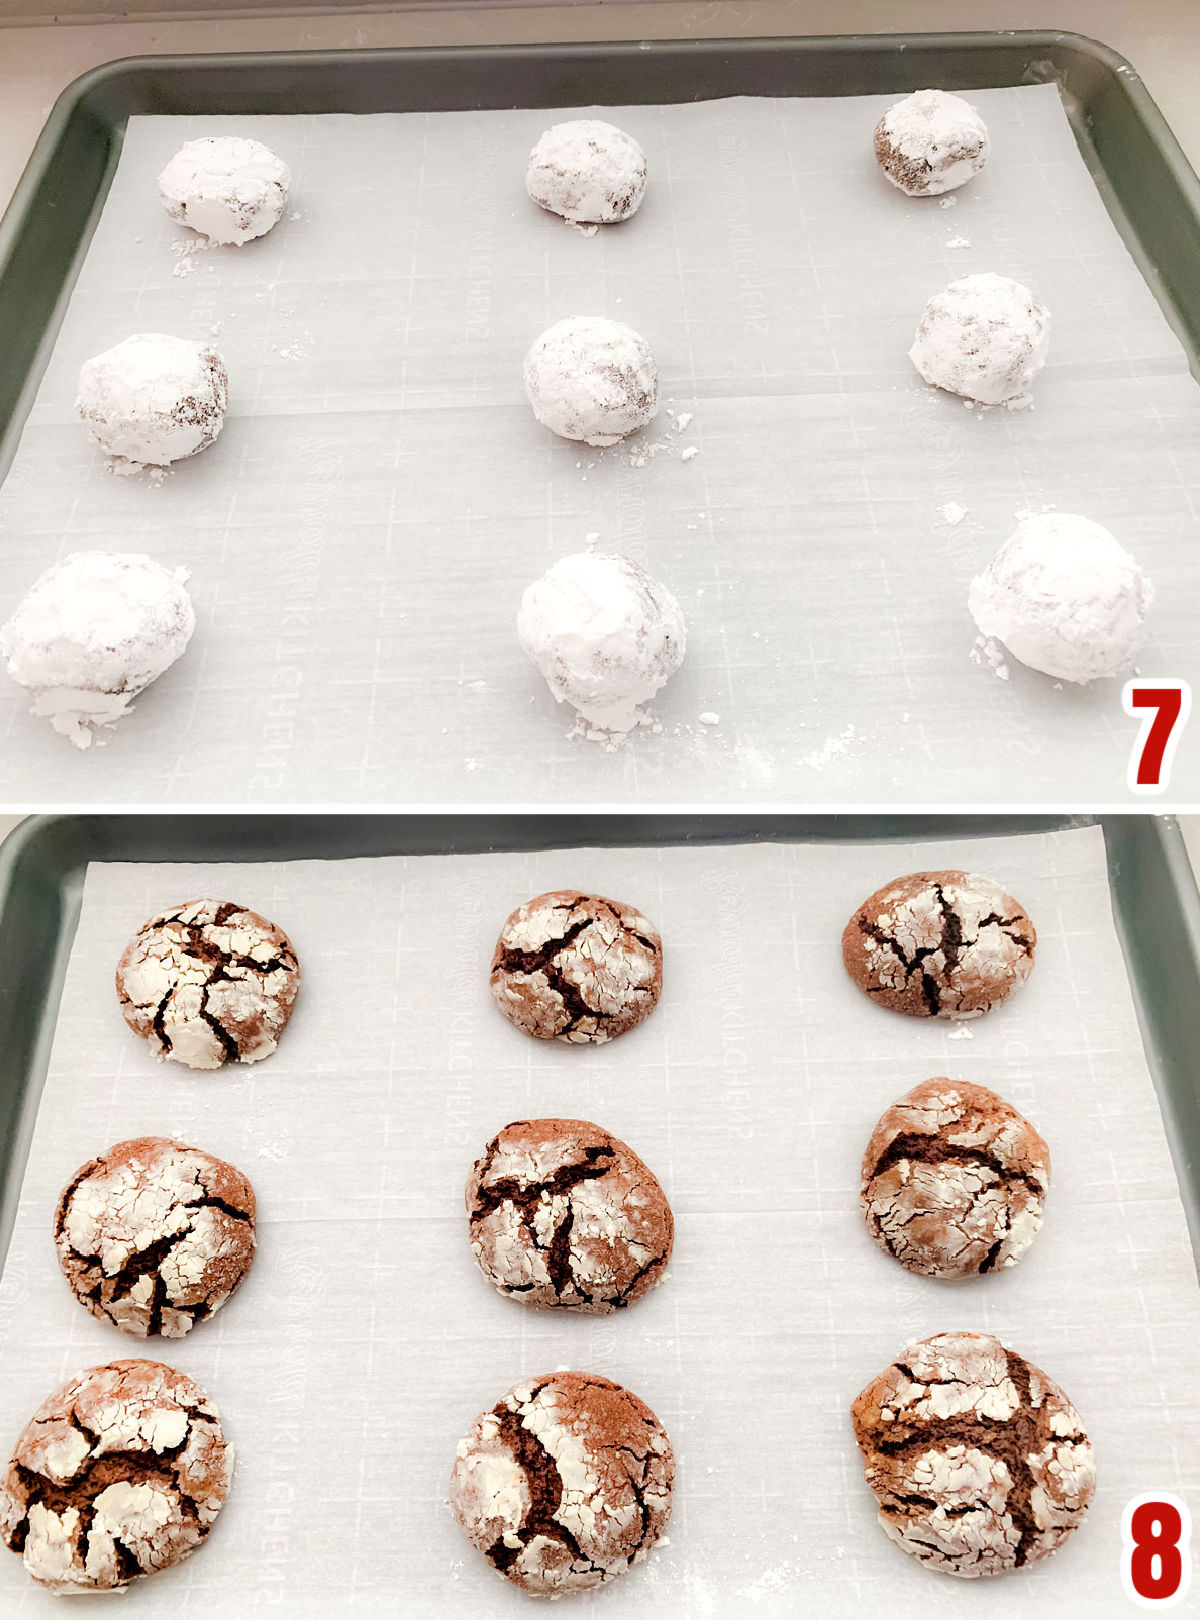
pixel 365 1341
pixel 360 536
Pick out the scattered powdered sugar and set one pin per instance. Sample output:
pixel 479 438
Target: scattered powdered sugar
pixel 958 242
pixel 708 718
pixel 987 651
pixel 962 1032
pixel 953 513
pixel 830 749
pixel 691 451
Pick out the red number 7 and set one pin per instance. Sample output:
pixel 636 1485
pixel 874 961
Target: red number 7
pixel 1166 705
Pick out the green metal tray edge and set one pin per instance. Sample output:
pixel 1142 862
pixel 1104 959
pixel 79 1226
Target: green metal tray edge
pixel 1143 174
pixel 43 863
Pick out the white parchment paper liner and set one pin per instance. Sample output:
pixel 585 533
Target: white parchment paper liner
pixel 365 1340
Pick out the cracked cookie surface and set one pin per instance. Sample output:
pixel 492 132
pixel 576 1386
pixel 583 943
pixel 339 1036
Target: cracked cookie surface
pixel 565 1483
pixel 208 983
pixel 563 1214
pixel 576 967
pixel 153 1236
pixel 119 1473
pixel 954 1180
pixel 979 1461
pixel 939 945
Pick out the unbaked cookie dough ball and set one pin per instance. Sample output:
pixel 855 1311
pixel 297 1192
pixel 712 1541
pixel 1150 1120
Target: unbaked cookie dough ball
pixel 980 1462
pixel 153 1236
pixel 564 1484
pixel 931 142
pixel 120 1473
pixel 576 967
pixel 984 337
pixel 226 187
pixel 1064 597
pixel 92 632
pixel 591 379
pixel 208 983
pixel 590 172
pixel 604 634
pixel 954 1180
pixel 154 399
pixel 939 945
pixel 562 1213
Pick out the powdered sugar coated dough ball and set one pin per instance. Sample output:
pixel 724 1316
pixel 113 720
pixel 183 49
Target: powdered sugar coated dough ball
pixel 590 172
pixel 605 635
pixel 931 142
pixel 154 399
pixel 591 379
pixel 1064 597
pixel 984 337
pixel 226 187
pixel 93 632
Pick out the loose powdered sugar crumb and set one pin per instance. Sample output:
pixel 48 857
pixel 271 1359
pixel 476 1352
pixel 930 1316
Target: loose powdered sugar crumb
pixel 953 513
pixel 687 455
pixel 987 651
pixel 830 749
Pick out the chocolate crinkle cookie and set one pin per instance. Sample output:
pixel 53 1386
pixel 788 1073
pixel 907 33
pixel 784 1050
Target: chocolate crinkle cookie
pixel 153 1236
pixel 930 143
pixel 939 945
pixel 980 1462
pixel 209 983
pixel 954 1180
pixel 576 967
pixel 565 1483
pixel 562 1213
pixel 120 1473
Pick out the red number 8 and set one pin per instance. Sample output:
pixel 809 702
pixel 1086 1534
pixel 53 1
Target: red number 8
pixel 1156 1528
pixel 1158 1562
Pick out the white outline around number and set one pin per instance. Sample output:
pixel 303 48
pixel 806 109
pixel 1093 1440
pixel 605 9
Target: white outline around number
pixel 1148 717
pixel 1184 1543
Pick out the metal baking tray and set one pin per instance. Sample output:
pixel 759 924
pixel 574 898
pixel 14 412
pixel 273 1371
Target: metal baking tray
pixel 1138 166
pixel 43 863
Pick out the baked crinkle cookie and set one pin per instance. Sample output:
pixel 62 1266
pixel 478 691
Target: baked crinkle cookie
pixel 939 945
pixel 120 1473
pixel 209 983
pixel 576 967
pixel 980 1462
pixel 954 1180
pixel 562 1213
pixel 153 1236
pixel 565 1483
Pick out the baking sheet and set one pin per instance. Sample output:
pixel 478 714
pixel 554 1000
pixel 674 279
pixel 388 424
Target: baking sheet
pixel 365 1341
pixel 360 536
